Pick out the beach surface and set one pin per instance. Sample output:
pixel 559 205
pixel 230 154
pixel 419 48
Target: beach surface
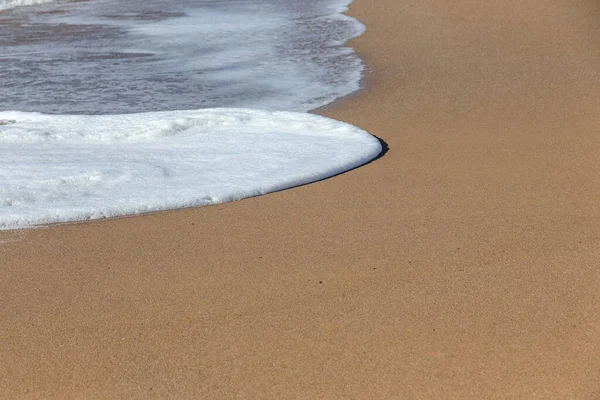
pixel 464 263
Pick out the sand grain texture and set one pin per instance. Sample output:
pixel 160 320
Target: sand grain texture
pixel 463 264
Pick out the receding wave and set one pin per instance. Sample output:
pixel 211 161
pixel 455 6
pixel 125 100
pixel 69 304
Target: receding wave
pixel 267 54
pixel 6 4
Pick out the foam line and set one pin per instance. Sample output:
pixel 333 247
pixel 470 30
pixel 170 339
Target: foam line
pixel 58 168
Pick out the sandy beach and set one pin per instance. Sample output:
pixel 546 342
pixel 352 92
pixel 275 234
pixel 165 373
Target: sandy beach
pixel 462 264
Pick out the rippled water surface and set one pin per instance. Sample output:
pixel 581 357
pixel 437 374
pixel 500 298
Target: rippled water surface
pixel 110 56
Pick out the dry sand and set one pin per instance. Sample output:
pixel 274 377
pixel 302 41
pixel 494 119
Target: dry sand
pixel 462 264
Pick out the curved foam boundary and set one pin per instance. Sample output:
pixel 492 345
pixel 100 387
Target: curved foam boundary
pixel 59 168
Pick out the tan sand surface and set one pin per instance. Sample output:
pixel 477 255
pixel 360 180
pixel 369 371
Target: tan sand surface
pixel 462 264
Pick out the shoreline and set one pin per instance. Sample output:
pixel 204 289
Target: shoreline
pixel 462 264
pixel 110 206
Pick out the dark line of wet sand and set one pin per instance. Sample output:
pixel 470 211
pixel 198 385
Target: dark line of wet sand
pixel 463 264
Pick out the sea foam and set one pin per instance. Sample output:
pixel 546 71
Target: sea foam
pixel 58 168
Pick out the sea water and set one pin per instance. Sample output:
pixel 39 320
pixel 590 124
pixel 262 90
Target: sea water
pixel 113 56
pixel 93 100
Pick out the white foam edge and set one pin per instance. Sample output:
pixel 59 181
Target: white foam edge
pixel 61 168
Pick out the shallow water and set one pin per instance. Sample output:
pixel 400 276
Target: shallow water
pixel 109 56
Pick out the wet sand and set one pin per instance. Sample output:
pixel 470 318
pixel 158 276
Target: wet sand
pixel 462 264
